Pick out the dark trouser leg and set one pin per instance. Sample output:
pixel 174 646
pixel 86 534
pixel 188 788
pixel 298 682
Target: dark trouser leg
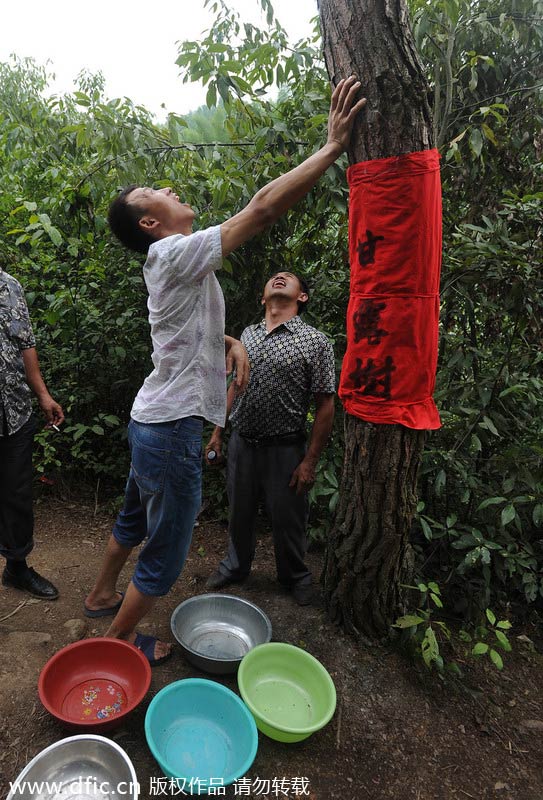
pixel 16 515
pixel 287 511
pixel 243 491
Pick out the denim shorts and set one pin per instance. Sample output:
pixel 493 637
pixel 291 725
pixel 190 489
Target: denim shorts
pixel 162 499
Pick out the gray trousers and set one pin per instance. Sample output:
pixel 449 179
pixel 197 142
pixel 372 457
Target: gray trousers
pixel 255 473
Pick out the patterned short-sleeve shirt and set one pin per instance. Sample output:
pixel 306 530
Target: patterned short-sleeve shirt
pixel 15 335
pixel 288 365
pixel 186 315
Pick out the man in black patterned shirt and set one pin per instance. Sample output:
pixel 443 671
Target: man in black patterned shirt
pixel 19 376
pixel 291 363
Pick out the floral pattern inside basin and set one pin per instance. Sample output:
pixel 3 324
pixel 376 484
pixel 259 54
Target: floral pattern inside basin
pixel 94 700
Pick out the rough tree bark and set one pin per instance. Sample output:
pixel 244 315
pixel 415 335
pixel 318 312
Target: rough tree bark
pixel 368 555
pixel 372 39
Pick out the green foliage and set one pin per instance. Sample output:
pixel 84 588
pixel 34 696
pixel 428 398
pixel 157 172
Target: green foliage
pixel 482 478
pixel 430 639
pixel 324 494
pixel 479 523
pixel 499 639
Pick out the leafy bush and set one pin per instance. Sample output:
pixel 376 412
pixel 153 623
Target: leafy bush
pixel 431 640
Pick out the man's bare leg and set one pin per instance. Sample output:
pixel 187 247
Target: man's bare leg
pixel 104 594
pixel 134 608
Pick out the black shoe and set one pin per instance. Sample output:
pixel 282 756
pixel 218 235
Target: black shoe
pixel 32 582
pixel 303 593
pixel 218 581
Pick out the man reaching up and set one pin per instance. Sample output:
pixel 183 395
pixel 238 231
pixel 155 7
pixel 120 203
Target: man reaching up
pixel 187 385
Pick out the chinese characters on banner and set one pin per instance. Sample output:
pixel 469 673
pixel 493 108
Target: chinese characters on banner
pixel 388 373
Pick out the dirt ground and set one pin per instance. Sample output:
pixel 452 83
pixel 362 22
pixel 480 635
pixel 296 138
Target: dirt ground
pixel 395 734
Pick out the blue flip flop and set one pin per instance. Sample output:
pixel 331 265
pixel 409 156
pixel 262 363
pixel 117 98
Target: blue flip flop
pixel 147 646
pixel 103 612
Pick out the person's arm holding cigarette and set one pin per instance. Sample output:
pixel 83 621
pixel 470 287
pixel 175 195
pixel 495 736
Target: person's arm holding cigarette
pixel 52 410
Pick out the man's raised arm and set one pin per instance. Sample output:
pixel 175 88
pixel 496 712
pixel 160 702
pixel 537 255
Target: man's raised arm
pixel 270 202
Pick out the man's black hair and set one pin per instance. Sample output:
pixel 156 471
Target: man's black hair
pixel 304 286
pixel 124 217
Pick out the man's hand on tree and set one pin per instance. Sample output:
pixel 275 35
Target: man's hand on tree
pixel 343 111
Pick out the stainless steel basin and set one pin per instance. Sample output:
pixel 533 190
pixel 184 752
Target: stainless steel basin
pixel 84 767
pixel 215 631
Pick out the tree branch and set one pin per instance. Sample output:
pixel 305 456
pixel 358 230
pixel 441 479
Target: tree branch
pixel 169 149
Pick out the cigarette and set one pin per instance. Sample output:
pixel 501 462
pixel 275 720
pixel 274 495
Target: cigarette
pixel 55 427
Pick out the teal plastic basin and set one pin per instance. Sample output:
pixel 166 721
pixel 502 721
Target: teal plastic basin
pixel 289 692
pixel 200 733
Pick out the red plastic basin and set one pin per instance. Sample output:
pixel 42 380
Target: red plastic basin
pixel 94 683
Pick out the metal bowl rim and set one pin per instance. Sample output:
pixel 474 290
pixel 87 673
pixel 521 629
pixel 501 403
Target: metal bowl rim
pixel 242 600
pixel 78 737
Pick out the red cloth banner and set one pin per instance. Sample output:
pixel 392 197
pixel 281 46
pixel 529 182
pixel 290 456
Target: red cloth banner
pixel 388 372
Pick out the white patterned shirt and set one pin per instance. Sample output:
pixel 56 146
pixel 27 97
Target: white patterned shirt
pixel 186 315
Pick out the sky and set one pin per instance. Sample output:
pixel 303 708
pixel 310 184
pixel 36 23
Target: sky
pixel 132 42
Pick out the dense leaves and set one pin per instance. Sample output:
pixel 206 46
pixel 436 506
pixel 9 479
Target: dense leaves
pixel 62 159
pixel 482 477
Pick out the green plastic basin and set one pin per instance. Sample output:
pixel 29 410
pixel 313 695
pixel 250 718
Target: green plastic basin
pixel 289 693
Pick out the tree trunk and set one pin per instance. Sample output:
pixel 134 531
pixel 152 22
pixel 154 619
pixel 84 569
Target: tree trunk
pixel 368 555
pixel 372 39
